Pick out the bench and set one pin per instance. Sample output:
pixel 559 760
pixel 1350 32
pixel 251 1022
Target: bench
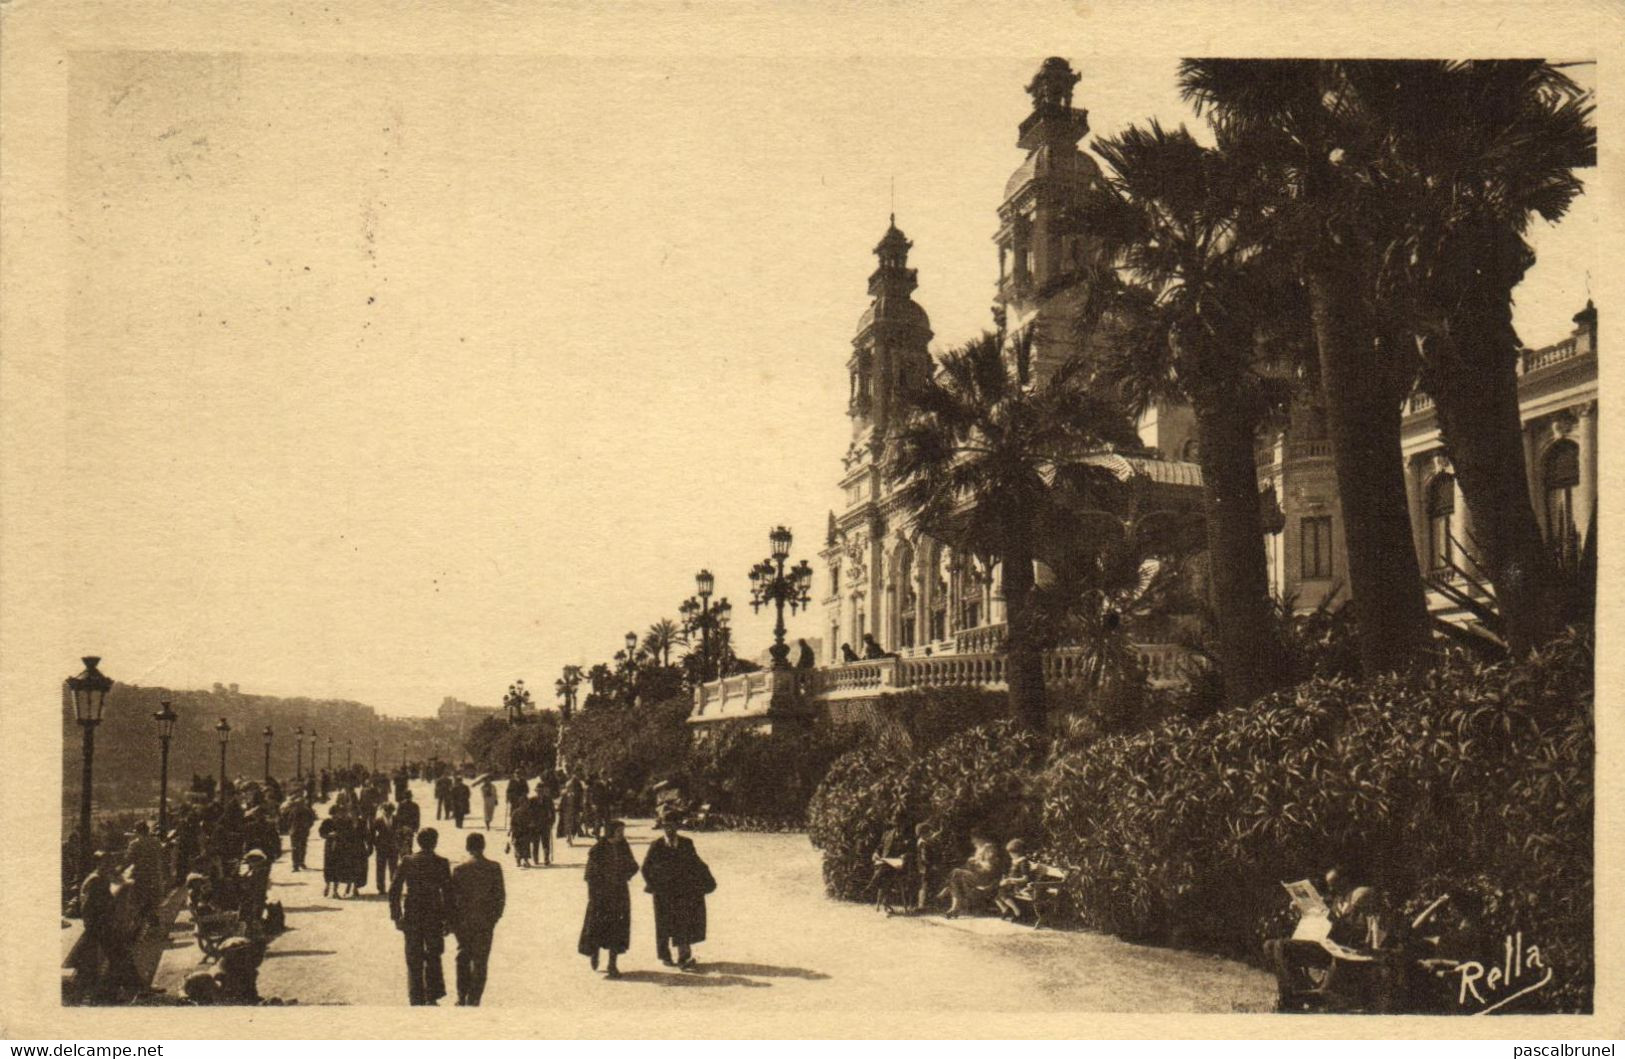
pixel 1043 893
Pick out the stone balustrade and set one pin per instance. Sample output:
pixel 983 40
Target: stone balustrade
pixel 756 695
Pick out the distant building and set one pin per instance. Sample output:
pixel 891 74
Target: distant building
pixel 460 716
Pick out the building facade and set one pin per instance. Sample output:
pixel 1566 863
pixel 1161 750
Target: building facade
pixel 939 615
pixel 1557 402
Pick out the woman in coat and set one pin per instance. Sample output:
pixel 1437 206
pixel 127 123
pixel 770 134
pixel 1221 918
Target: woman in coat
pixel 679 880
pixel 488 796
pixel 608 922
pixel 334 869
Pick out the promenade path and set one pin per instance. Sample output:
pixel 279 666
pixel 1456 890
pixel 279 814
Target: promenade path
pixel 776 944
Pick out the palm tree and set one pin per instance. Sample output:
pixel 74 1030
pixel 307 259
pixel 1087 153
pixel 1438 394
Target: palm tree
pixel 565 687
pixel 1178 221
pixel 662 636
pixel 1474 151
pixel 1300 123
pixel 977 458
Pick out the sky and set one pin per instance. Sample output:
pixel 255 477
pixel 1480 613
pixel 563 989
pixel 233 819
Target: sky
pixel 420 374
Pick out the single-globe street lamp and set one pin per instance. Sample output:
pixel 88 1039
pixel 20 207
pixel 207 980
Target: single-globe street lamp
pixel 268 736
pixel 224 728
pixel 330 753
pixel 375 743
pixel 349 753
pixel 89 693
pixel 299 753
pixel 166 718
pixel 771 583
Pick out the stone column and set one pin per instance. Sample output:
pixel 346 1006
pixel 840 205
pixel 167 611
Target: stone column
pixel 1587 493
pixel 1531 467
pixel 1416 502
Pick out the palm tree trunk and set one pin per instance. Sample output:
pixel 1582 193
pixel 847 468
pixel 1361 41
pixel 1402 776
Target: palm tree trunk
pixel 1252 658
pixel 1024 664
pixel 1363 414
pixel 1477 406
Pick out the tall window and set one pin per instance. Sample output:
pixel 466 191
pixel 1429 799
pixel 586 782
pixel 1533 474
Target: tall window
pixel 906 601
pixel 1316 538
pixel 1560 474
pixel 1441 501
pixel 834 579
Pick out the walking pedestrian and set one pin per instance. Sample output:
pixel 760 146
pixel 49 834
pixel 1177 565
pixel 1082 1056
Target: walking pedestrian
pixel 146 859
pixel 408 818
pixel 542 817
pixel 301 818
pixel 520 827
pixel 386 846
pixel 424 916
pixel 107 955
pixel 679 880
pixel 459 801
pixel 488 798
pixel 477 900
pixel 607 925
pixel 518 791
pixel 442 797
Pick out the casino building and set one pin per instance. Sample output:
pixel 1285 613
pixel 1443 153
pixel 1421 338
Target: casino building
pixel 940 614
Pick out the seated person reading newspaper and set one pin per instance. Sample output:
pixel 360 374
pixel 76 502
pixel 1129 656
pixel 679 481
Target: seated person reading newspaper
pixel 1328 958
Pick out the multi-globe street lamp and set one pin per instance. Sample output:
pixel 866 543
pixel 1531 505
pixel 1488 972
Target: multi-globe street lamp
pixel 516 700
pixel 700 616
pixel 89 693
pixel 166 718
pixel 771 583
pixel 268 735
pixel 224 730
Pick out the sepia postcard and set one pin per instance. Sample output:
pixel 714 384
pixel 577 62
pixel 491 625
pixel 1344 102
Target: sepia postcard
pixel 731 520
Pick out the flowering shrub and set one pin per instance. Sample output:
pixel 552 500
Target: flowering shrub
pixel 1463 778
pixel 977 780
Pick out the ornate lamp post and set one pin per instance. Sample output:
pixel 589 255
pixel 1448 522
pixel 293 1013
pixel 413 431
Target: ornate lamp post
pixel 224 729
pixel 268 735
pixel 631 667
pixel 299 753
pixel 771 583
pixel 166 718
pixel 89 692
pixel 515 701
pixel 700 616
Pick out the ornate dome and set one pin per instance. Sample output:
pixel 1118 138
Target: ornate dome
pixel 906 311
pixel 1050 162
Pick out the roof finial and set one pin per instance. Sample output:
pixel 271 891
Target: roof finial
pixel 894 200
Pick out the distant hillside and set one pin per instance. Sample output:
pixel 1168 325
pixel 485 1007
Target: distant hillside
pixel 126 761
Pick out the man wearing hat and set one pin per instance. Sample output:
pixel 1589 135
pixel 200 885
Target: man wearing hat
pixel 424 916
pixel 254 883
pixel 679 880
pixel 301 818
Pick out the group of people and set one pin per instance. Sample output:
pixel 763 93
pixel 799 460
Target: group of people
pixel 430 900
pixel 909 874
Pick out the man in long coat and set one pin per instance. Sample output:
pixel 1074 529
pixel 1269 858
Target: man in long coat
pixel 478 899
pixel 679 880
pixel 425 916
pixel 301 818
pixel 459 800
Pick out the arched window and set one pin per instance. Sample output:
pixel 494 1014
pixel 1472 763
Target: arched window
pixel 1559 475
pixel 906 601
pixel 1441 501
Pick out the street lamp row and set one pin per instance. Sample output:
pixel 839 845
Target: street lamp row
pixel 87 692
